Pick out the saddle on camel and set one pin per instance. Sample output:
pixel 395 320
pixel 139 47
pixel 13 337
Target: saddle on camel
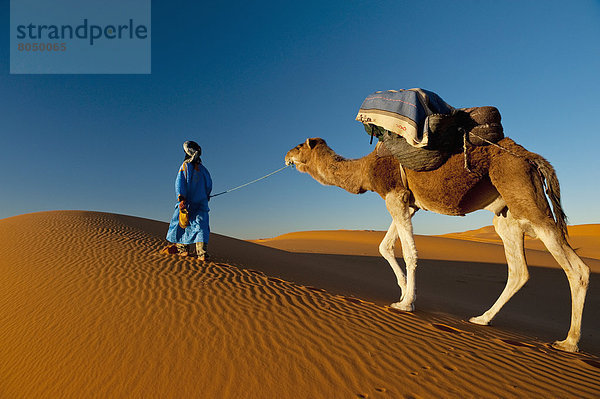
pixel 422 130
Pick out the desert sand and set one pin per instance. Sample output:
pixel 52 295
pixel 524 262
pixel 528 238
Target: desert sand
pixel 482 245
pixel 90 308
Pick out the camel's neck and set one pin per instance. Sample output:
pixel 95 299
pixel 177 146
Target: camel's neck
pixel 333 170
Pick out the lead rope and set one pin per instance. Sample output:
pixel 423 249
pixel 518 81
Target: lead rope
pixel 253 181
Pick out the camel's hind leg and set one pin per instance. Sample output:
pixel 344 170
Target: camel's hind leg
pixel 399 207
pixel 578 274
pixel 513 238
pixel 520 185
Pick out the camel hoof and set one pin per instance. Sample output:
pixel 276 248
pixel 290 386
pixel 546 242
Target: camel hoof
pixel 402 307
pixel 479 320
pixel 565 346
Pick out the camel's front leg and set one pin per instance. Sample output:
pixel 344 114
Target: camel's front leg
pixel 386 249
pixel 399 207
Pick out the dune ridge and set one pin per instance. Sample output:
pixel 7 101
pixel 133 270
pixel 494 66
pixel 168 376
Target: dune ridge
pixel 482 245
pixel 584 238
pixel 90 308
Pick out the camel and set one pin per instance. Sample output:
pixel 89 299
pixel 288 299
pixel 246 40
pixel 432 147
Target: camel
pixel 505 179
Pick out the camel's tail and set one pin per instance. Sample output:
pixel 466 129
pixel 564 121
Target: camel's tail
pixel 549 179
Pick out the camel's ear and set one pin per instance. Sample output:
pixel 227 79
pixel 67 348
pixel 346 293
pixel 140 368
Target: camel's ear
pixel 311 143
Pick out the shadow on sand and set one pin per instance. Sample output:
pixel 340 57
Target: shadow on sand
pixel 457 289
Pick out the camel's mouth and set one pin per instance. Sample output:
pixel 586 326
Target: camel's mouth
pixel 289 160
pixel 295 163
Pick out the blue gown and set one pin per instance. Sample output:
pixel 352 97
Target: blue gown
pixel 194 183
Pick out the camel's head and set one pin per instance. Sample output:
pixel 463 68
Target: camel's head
pixel 300 155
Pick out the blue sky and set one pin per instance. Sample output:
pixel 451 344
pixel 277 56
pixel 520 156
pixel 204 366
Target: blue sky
pixel 249 81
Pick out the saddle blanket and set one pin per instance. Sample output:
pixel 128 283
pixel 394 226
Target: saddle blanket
pixel 403 112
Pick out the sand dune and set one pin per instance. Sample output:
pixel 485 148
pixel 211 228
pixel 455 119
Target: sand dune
pixel 481 245
pixel 90 308
pixel 585 239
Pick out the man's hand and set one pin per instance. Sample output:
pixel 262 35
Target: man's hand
pixel 181 200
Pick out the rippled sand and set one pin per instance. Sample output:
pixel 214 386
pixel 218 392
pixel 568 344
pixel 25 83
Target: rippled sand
pixel 90 308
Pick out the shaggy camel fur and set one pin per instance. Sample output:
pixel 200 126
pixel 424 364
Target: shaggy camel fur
pixel 508 181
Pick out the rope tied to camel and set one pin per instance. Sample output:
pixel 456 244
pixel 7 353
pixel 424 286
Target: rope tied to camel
pixel 546 186
pixel 251 182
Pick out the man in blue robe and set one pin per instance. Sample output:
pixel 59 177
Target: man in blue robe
pixel 189 227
